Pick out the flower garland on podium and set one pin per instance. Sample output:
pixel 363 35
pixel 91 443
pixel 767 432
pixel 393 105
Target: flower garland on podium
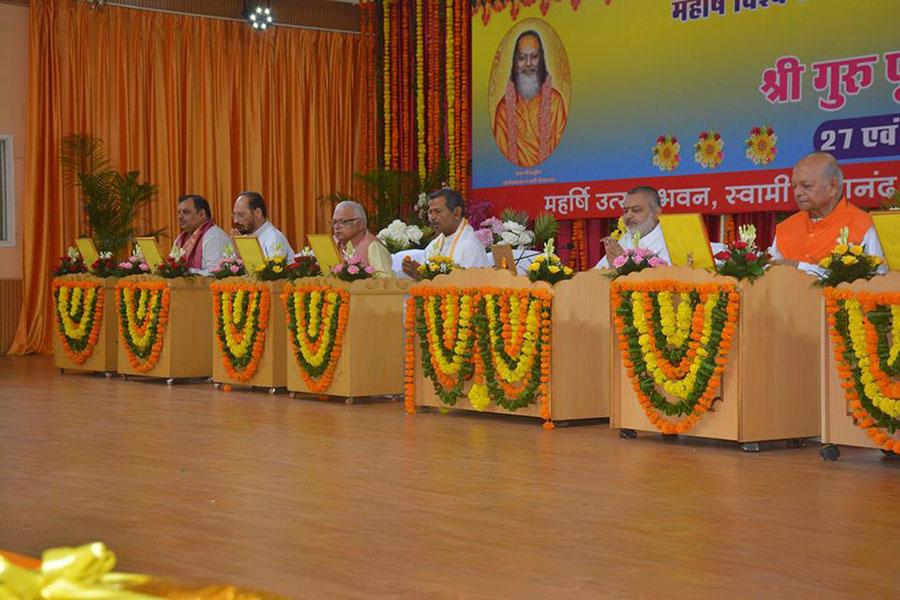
pixel 143 308
pixel 79 315
pixel 241 318
pixel 316 317
pixel 680 349
pixel 501 337
pixel 865 335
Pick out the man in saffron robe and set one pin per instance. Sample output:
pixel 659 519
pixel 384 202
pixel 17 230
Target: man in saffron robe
pixel 456 238
pixel 202 240
pixel 529 120
pixel 805 238
pixel 349 225
pixel 640 212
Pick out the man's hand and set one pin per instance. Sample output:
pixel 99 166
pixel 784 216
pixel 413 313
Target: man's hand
pixel 785 262
pixel 613 249
pixel 411 268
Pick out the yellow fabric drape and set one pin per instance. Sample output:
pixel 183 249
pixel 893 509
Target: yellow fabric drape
pixel 196 105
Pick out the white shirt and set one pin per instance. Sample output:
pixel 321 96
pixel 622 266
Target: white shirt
pixel 213 243
pixel 653 241
pixel 463 247
pixel 270 238
pixel 870 241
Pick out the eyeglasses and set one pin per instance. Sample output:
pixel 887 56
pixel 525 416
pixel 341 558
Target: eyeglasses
pixel 343 222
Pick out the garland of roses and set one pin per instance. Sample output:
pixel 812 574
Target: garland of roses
pixel 316 317
pixel 143 308
pixel 79 316
pixel 652 341
pixel 865 336
pixel 241 319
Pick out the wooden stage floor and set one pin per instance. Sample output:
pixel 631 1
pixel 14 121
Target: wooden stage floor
pixel 322 500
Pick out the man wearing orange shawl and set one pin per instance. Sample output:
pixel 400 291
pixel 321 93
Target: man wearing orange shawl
pixel 530 118
pixel 201 239
pixel 805 238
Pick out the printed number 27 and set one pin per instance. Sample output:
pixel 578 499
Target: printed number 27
pixel 829 137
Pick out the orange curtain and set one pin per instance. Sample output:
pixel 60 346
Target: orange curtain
pixel 197 105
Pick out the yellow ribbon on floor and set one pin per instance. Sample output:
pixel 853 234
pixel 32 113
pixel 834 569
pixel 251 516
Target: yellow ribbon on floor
pixel 82 573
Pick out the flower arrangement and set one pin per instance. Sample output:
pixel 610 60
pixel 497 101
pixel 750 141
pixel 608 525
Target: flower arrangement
pixel 865 337
pixel 351 268
pixel 105 266
pixel 143 308
pixel 675 351
pixel 667 153
pixel 762 145
pixel 316 319
pixel 174 265
pixel 230 265
pixel 399 236
pixel 742 259
pixel 240 318
pixel 548 267
pixel 134 264
pixel 635 259
pixel 511 229
pixel 273 269
pixel 847 262
pixel 70 263
pixel 79 316
pixel 304 265
pixel 709 149
pixel 437 265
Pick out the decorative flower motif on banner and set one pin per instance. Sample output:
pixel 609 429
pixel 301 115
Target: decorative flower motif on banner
pixel 709 149
pixel 667 153
pixel 762 145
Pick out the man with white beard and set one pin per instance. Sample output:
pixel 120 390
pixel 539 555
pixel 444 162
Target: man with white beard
pixel 640 212
pixel 530 118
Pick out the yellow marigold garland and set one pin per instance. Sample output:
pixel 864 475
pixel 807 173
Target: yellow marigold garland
pixel 79 316
pixel 240 320
pixel 648 339
pixel 316 317
pixel 865 338
pixel 142 327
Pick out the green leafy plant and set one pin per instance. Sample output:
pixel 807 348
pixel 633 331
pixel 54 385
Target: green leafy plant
pixel 111 199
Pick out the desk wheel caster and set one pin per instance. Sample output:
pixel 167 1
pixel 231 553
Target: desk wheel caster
pixel 62 371
pixel 890 454
pixel 627 434
pixel 293 395
pixel 170 381
pixel 830 452
pixel 796 443
pixel 349 400
pixel 271 391
pixel 217 385
pixel 750 447
pixel 108 375
pixel 123 377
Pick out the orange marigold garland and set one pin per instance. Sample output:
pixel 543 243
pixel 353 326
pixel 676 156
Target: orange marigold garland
pixel 409 355
pixel 241 320
pixel 865 336
pixel 648 357
pixel 316 317
pixel 143 308
pixel 78 308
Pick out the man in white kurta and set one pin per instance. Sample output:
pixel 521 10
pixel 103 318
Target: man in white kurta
pixel 251 218
pixel 640 212
pixel 456 238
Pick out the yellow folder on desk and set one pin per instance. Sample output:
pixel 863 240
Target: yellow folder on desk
pixel 251 252
pixel 325 249
pixel 887 226
pixel 686 240
pixel 88 250
pixel 150 250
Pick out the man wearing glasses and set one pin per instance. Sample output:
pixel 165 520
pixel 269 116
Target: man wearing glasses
pixel 350 226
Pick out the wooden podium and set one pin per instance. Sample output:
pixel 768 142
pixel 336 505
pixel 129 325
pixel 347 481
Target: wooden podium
pixel 371 357
pixel 271 369
pixel 186 349
pixel 838 425
pixel 580 347
pixel 103 356
pixel 770 385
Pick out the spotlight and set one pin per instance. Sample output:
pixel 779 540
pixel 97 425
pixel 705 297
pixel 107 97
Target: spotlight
pixel 260 17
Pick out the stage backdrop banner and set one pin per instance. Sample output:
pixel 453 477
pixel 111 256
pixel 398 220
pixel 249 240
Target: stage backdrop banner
pixel 710 101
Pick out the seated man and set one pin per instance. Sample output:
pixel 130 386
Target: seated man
pixel 202 240
pixel 251 218
pixel 805 238
pixel 640 212
pixel 456 238
pixel 349 225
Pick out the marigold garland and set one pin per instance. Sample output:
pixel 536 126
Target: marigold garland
pixel 865 335
pixel 79 316
pixel 316 317
pixel 240 320
pixel 451 93
pixel 143 309
pixel 657 351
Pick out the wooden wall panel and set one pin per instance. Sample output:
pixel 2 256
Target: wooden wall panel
pixel 10 304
